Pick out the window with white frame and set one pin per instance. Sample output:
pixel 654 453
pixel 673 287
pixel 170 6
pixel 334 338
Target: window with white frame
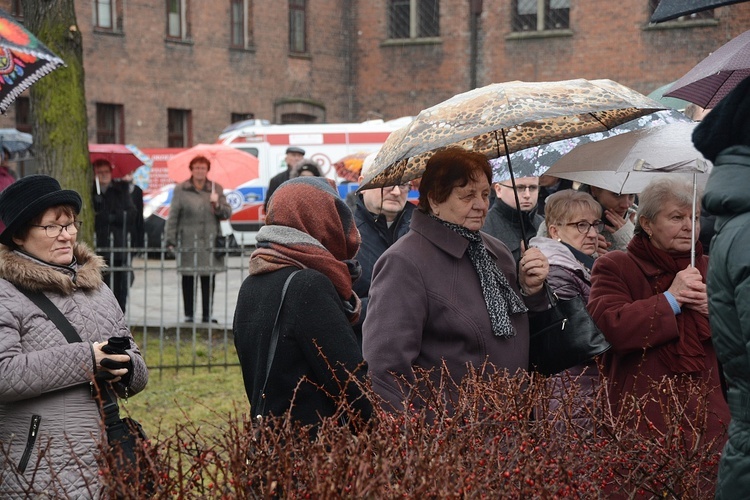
pixel 413 18
pixel 540 15
pixel 179 128
pixel 177 19
pixel 241 23
pixel 104 14
pixel 297 28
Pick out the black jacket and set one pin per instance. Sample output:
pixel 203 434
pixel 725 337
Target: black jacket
pixel 115 214
pixel 377 237
pixel 274 184
pixel 504 224
pixel 314 336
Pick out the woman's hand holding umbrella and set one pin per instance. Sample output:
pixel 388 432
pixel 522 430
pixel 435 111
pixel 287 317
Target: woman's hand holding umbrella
pixel 690 291
pixel 532 270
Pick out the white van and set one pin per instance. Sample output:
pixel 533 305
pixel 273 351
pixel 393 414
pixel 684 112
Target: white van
pixel 325 144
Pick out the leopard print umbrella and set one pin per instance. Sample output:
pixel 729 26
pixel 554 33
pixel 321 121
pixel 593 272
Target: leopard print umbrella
pixel 517 114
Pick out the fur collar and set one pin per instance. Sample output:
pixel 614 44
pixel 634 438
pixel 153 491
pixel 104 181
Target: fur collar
pixel 27 272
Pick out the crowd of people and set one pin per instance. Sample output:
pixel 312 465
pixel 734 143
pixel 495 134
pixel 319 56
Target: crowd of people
pixel 337 297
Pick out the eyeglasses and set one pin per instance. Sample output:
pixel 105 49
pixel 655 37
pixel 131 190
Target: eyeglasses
pixel 406 186
pixel 520 188
pixel 55 230
pixel 584 226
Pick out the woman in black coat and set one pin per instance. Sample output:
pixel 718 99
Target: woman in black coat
pixel 308 227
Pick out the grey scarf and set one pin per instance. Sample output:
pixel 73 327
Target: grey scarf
pixel 500 298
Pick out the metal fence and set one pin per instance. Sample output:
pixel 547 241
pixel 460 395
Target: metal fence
pixel 155 314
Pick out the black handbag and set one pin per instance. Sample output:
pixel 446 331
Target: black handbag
pixel 563 336
pixel 220 246
pixel 124 435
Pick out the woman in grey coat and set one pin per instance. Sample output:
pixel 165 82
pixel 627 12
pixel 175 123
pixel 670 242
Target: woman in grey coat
pixel 197 206
pixel 50 426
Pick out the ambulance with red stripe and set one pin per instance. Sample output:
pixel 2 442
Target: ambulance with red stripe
pixel 324 144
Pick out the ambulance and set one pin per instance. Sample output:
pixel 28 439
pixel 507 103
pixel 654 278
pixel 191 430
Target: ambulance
pixel 326 144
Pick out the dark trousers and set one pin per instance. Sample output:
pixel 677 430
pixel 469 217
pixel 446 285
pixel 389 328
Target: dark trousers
pixel 208 283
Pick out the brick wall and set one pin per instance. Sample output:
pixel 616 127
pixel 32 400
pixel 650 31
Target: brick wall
pixel 353 70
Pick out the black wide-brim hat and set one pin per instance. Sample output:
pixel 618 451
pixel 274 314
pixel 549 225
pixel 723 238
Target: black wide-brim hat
pixel 28 197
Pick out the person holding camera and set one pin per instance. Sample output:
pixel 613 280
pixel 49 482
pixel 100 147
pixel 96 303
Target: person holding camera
pixel 50 422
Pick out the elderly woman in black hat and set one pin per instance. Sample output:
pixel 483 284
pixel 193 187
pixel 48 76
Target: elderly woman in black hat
pixel 50 424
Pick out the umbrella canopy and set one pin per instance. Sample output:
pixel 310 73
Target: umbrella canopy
pixel 125 158
pixel 716 75
pixel 672 9
pixel 506 117
pixel 534 162
pixel 627 163
pixel 658 95
pixel 349 167
pixel 23 60
pixel 230 166
pixel 15 142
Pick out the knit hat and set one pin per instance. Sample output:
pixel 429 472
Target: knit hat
pixel 309 166
pixel 28 197
pixel 728 124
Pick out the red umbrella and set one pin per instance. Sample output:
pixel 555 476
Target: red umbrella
pixel 230 166
pixel 23 60
pixel 125 158
pixel 716 75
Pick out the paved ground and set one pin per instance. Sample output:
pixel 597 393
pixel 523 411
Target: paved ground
pixel 156 297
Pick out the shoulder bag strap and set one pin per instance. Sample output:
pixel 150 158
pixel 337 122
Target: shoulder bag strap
pixel 54 314
pixel 110 408
pixel 273 343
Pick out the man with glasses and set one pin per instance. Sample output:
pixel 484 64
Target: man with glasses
pixel 504 218
pixel 115 213
pixel 382 217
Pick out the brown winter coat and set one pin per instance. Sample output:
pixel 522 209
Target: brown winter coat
pixel 193 225
pixel 42 374
pixel 426 306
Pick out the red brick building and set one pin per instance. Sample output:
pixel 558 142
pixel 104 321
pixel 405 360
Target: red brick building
pixel 175 73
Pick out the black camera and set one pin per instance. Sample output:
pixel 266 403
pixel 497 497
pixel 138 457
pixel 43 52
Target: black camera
pixel 116 345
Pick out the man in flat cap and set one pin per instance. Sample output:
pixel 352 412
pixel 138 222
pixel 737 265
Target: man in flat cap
pixel 294 156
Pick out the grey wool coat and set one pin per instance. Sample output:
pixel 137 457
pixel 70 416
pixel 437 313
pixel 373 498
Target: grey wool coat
pixel 44 380
pixel 192 227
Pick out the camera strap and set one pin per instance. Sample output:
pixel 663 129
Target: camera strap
pixel 110 408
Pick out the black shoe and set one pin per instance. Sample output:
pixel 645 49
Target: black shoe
pixel 189 319
pixel 206 319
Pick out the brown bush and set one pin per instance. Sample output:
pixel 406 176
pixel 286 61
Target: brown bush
pixel 500 439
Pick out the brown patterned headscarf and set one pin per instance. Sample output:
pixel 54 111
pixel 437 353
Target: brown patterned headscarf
pixel 309 226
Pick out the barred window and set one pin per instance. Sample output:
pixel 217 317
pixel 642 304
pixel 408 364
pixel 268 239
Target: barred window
pixel 540 15
pixel 413 18
pixel 706 14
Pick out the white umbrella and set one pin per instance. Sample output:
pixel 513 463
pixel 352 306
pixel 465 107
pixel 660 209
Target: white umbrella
pixel 627 163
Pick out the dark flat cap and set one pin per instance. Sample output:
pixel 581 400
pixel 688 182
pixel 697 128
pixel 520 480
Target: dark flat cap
pixel 295 149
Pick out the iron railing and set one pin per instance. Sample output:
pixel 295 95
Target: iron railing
pixel 155 315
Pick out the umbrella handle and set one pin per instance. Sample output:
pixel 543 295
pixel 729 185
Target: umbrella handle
pixel 692 222
pixel 524 236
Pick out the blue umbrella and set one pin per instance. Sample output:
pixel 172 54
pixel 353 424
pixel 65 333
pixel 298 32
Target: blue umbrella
pixel 15 142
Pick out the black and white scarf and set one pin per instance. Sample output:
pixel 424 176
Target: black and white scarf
pixel 500 298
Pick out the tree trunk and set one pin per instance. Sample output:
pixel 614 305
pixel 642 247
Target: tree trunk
pixel 58 104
